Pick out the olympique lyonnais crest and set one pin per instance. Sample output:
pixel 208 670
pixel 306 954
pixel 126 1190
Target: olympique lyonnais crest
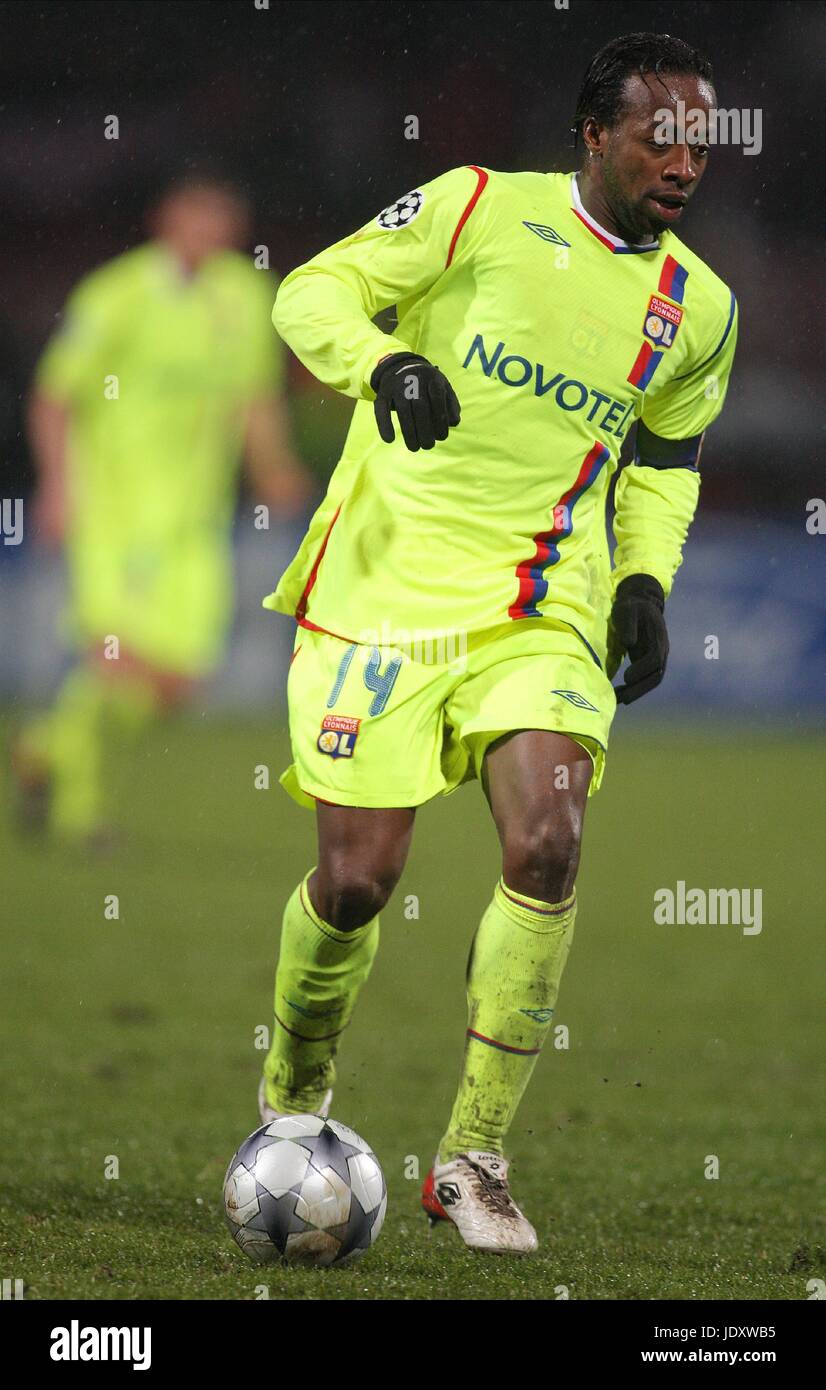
pixel 662 319
pixel 338 735
pixel 402 211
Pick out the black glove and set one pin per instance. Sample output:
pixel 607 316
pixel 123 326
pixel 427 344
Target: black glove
pixel 421 396
pixel 637 626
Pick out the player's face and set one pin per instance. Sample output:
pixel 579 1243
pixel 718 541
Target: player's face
pixel 647 183
pixel 200 222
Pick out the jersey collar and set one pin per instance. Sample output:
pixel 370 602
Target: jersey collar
pixel 614 243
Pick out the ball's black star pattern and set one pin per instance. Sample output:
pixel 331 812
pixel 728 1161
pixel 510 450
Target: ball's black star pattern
pixel 357 1230
pixel 327 1151
pixel 279 1216
pixel 251 1147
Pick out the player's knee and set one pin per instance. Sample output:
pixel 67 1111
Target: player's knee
pixel 353 895
pixel 542 859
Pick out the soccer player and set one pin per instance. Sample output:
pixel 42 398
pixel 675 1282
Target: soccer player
pixel 457 612
pixel 164 369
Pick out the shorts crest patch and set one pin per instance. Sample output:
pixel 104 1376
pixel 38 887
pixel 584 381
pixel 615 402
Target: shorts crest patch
pixel 338 735
pixel 401 212
pixel 662 319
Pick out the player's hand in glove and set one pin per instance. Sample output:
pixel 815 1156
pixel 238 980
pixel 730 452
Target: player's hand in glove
pixel 637 626
pixel 423 399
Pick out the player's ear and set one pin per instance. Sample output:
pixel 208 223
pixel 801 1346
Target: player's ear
pixel 592 135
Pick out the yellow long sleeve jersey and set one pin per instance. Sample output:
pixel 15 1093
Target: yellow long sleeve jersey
pixel 556 337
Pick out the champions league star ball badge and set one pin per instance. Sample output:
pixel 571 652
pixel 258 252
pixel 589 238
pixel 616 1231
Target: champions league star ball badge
pixel 401 212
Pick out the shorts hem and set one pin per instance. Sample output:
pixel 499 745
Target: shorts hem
pixel 307 795
pixel 594 747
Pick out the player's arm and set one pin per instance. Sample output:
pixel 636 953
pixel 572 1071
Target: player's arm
pixel 47 427
pixel 656 499
pixel 325 309
pixel 71 366
pixel 59 378
pixel 276 475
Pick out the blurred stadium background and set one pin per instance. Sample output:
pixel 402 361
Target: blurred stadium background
pixel 139 1040
pixel 305 104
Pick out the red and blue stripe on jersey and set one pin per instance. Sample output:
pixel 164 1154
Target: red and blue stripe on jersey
pixel 672 280
pixel 533 585
pixel 671 284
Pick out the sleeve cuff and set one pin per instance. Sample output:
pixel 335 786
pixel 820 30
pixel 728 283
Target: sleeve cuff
pixel 381 346
pixel 664 577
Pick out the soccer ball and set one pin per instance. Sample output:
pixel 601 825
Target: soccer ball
pixel 304 1190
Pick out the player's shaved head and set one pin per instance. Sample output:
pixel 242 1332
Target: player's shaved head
pixel 635 180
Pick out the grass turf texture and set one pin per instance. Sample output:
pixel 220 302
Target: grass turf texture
pixel 135 1037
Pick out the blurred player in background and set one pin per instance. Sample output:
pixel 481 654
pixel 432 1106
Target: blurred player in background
pixel 164 373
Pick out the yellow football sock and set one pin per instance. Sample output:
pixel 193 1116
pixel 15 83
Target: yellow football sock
pixel 320 972
pixel 93 717
pixel 516 962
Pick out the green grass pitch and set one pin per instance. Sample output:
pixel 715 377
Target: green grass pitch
pixel 136 1038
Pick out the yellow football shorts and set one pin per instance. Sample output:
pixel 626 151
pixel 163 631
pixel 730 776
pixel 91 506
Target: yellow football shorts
pixel 168 603
pixel 395 726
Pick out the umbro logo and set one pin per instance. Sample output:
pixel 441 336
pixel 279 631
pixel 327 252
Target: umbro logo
pixel 546 233
pixel 539 1015
pixel 574 698
pixel 313 1013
